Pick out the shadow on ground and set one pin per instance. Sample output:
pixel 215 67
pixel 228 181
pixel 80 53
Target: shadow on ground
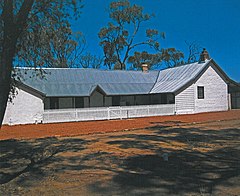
pixel 196 168
pixel 19 157
pixel 199 161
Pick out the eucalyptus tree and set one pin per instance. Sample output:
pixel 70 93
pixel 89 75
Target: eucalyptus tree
pixel 194 50
pixel 89 60
pixel 172 57
pixel 119 37
pixel 35 33
pixel 152 60
pixel 166 58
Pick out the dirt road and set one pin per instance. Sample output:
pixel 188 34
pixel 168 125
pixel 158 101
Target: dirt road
pixel 81 128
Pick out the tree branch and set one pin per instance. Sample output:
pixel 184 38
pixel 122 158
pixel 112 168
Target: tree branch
pixel 22 15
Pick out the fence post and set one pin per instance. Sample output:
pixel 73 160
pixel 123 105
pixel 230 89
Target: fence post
pixel 120 113
pixel 148 110
pixel 108 113
pixel 76 115
pixel 48 116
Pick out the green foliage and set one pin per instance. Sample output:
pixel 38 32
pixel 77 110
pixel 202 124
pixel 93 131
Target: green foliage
pixel 172 57
pixel 47 38
pixel 152 60
pixel 118 38
pixel 35 33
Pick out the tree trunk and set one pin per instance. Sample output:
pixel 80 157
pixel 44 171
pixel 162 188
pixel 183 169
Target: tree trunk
pixel 11 31
pixel 6 61
pixel 5 78
pixel 7 55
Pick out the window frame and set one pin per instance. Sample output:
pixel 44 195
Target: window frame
pixel 200 92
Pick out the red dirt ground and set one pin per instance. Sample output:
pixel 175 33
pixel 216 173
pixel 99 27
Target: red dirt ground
pixel 81 128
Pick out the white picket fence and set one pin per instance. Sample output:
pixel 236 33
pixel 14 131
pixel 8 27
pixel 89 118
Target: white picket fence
pixel 106 113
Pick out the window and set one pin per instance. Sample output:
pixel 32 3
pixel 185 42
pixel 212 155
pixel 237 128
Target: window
pixel 65 102
pixel 170 98
pixel 163 98
pixel 126 100
pixel 143 100
pixel 155 99
pixel 116 101
pixel 47 103
pixel 200 90
pixel 54 103
pixel 79 102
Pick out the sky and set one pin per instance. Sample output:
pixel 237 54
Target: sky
pixel 213 24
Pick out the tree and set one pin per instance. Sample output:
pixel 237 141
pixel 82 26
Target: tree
pixel 30 30
pixel 59 49
pixel 69 51
pixel 90 61
pixel 152 60
pixel 194 51
pixel 172 57
pixel 118 38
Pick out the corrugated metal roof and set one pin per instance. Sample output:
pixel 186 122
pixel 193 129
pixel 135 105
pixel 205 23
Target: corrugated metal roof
pixel 171 80
pixel 82 82
pixel 127 88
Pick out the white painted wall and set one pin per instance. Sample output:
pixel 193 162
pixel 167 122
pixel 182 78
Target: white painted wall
pixel 215 92
pixel 26 108
pixel 184 101
pixel 215 95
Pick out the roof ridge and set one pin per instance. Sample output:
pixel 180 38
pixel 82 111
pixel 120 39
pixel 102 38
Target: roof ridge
pixel 181 66
pixel 80 68
pixel 175 79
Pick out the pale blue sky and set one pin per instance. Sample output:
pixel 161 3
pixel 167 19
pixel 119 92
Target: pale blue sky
pixel 214 24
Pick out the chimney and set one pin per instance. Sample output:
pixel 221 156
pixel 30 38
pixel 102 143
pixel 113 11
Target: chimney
pixel 144 67
pixel 204 56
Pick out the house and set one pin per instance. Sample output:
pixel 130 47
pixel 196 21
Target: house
pixel 88 94
pixel 234 93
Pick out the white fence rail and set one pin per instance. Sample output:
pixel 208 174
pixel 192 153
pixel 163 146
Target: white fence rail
pixel 106 113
